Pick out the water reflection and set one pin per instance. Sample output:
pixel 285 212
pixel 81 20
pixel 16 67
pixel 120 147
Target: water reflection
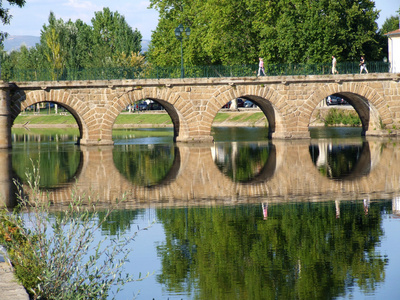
pixel 236 220
pixel 245 162
pixel 301 251
pixel 54 153
pixel 341 161
pixel 231 252
pixel 171 174
pixel 147 165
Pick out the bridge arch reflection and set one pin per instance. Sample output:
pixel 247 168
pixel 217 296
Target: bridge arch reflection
pixel 245 163
pixel 341 161
pixel 194 178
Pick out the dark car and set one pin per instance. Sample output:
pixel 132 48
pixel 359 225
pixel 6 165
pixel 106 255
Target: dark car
pixel 143 105
pixel 335 100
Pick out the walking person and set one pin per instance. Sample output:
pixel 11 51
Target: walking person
pixel 363 65
pixel 334 71
pixel 260 67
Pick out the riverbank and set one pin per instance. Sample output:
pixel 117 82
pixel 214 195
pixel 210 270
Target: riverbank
pixel 147 119
pixel 9 286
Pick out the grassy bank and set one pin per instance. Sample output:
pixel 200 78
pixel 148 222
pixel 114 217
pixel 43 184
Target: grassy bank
pixel 143 119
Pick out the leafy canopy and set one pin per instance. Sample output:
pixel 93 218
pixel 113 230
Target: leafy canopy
pixel 284 31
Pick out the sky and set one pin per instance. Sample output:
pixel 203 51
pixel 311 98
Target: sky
pixel 30 19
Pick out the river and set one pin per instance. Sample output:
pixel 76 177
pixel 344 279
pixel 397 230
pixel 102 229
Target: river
pixel 241 218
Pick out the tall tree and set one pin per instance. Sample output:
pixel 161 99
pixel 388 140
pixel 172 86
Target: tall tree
pixel 282 31
pixel 112 36
pixel 5 16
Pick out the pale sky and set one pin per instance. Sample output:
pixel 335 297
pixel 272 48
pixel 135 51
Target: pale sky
pixel 30 19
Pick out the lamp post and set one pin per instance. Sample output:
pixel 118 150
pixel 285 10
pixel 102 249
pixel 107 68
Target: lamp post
pixel 179 35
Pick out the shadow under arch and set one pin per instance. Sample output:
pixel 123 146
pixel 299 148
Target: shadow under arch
pixel 368 114
pixel 342 162
pixel 266 172
pixel 166 179
pixel 20 101
pixel 269 111
pixel 174 115
pixel 365 100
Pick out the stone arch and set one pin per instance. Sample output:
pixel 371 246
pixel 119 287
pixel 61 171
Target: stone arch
pixel 366 101
pixel 172 102
pixel 21 100
pixel 268 99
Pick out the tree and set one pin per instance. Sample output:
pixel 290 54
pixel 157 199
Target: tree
pixel 5 17
pixel 283 31
pixel 390 24
pixel 112 36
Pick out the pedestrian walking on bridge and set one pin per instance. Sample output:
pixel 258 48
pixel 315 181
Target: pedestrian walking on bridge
pixel 261 67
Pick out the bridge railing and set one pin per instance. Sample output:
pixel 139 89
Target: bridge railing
pixel 152 72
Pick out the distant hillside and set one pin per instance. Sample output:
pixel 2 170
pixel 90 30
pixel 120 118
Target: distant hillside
pixel 14 42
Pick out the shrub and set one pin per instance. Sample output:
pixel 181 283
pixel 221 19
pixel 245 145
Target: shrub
pixel 341 117
pixel 50 252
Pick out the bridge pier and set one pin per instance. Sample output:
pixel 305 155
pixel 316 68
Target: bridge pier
pixel 5 126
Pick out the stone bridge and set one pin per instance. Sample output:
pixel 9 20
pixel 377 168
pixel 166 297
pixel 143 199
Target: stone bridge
pixel 288 102
pixel 194 178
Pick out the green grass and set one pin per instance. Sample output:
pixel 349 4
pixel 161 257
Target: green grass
pixel 47 131
pixel 143 118
pixel 133 118
pixel 45 119
pixel 253 117
pixel 221 117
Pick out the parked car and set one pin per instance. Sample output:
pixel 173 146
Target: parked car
pixel 155 106
pixel 335 100
pixel 143 105
pixel 248 103
pixel 240 103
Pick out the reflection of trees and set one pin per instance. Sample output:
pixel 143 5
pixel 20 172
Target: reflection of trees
pixel 241 162
pixel 301 252
pixel 119 221
pixel 144 165
pixel 342 161
pixel 58 161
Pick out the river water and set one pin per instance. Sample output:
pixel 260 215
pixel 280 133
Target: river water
pixel 242 218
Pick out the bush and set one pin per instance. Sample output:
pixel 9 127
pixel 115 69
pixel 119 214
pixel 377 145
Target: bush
pixel 50 252
pixel 341 117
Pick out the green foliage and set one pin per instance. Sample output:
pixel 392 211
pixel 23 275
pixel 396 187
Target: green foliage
pixel 390 24
pixel 108 43
pixel 238 32
pixel 342 117
pixel 12 236
pixel 59 258
pixel 111 37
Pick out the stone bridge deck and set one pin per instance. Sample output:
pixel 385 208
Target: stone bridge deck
pixel 192 103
